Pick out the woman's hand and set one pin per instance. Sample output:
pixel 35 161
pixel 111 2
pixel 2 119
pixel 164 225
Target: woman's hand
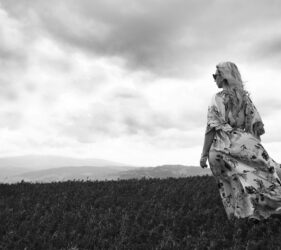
pixel 203 162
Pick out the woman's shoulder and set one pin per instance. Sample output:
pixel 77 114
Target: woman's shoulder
pixel 221 95
pixel 218 94
pixel 226 94
pixel 217 98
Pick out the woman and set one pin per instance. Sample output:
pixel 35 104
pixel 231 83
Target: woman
pixel 246 175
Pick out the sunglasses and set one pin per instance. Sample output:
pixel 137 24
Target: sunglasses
pixel 216 75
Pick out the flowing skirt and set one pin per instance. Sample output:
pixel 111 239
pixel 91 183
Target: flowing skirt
pixel 246 175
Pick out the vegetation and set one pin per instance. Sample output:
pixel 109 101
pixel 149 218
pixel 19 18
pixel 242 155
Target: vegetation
pixel 183 213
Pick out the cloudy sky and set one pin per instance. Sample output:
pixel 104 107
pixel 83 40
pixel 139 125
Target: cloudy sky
pixel 130 81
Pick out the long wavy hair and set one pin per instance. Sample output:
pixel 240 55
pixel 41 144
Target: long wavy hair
pixel 234 87
pixel 229 71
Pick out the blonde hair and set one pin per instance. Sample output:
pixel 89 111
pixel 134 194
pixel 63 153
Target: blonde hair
pixel 234 87
pixel 229 71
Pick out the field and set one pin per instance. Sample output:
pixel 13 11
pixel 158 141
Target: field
pixel 173 213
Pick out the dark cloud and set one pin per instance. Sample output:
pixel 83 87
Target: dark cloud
pixel 144 37
pixel 267 50
pixel 12 56
pixel 167 38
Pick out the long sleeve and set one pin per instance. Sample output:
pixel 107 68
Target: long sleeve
pixel 216 114
pixel 216 123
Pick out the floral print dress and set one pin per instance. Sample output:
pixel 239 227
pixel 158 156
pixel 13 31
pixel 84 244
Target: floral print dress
pixel 246 175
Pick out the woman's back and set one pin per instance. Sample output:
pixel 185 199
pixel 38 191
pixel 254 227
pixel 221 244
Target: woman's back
pixel 235 102
pixel 240 111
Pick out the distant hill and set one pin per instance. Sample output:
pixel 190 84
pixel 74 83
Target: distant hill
pixel 64 174
pixel 103 173
pixel 53 161
pixel 10 171
pixel 11 168
pixel 163 171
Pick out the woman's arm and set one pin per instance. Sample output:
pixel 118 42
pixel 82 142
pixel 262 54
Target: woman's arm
pixel 215 122
pixel 209 136
pixel 258 129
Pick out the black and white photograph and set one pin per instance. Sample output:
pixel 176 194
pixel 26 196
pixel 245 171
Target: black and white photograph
pixel 138 125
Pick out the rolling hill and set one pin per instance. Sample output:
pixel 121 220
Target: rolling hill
pixel 105 173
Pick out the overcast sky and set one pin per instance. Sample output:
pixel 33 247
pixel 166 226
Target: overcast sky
pixel 130 81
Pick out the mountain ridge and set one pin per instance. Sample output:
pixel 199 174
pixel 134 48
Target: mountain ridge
pixel 105 173
pixel 49 161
